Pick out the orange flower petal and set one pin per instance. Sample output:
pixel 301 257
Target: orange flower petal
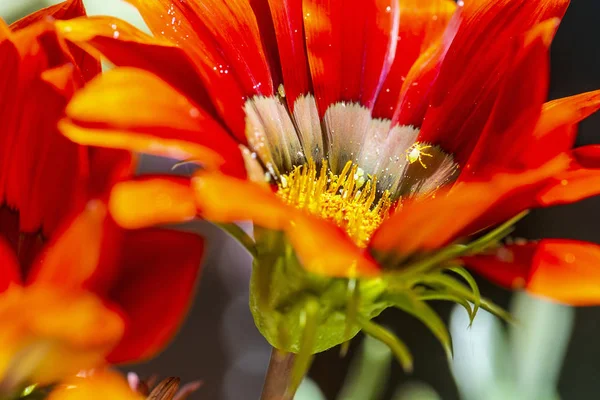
pixel 556 129
pixel 222 38
pixel 582 180
pixel 124 45
pixel 422 23
pixel 562 270
pixel 150 201
pixel 72 257
pixel 427 224
pixel 224 199
pixel 50 333
pixel 157 274
pixel 163 122
pixel 221 198
pixel 325 249
pixel 101 385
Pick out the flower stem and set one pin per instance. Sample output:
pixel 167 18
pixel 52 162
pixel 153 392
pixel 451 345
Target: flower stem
pixel 278 376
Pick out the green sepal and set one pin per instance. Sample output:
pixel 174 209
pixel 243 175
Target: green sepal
pixel 280 288
pixel 410 304
pixel 474 288
pixel 397 346
pixel 308 323
pixel 351 313
pixel 447 285
pixel 436 296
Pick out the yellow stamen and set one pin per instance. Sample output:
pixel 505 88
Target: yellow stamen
pixel 347 199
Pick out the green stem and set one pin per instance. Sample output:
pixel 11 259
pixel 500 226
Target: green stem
pixel 278 376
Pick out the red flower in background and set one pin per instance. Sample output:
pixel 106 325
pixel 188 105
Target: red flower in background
pixel 76 291
pixel 444 105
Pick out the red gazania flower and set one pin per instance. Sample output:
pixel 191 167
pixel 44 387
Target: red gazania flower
pixel 392 133
pixel 63 305
pixel 94 295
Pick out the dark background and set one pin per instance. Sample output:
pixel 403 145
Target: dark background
pixel 220 345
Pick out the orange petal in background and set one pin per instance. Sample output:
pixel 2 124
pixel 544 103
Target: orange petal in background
pixel 100 385
pixel 72 257
pixel 149 201
pixel 580 181
pixel 562 270
pixel 221 198
pixel 162 122
pixel 51 333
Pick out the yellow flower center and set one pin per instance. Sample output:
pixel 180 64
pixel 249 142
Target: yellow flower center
pixel 348 199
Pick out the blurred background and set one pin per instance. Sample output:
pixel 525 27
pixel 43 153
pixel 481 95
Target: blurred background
pixel 551 353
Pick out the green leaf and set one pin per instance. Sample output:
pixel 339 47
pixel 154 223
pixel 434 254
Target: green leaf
pixel 419 309
pixel 474 287
pixel 398 347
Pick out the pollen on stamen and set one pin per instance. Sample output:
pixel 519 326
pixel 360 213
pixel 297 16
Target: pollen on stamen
pixel 348 199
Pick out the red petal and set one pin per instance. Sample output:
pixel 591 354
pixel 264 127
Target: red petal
pixel 9 267
pixel 87 65
pixel 29 142
pixel 517 107
pixel 350 48
pixel 289 30
pixel 158 270
pixel 222 37
pixel 163 122
pixel 476 62
pixel 422 23
pixel 124 45
pixel 65 10
pixel 562 270
pixel 509 267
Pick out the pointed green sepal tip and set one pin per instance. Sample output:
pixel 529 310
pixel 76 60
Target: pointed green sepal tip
pixel 397 346
pixel 411 304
